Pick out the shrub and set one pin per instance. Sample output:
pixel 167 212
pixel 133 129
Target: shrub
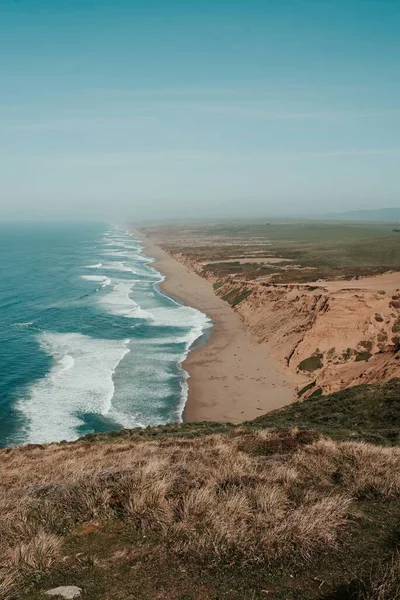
pixel 312 363
pixel 396 326
pixel 363 356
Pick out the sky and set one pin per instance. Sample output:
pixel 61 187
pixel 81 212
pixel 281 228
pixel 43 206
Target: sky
pixel 181 109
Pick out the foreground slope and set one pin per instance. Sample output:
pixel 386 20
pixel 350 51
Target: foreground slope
pixel 207 511
pixel 368 413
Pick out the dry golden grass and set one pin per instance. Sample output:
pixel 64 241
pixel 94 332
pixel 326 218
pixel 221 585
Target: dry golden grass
pixel 251 496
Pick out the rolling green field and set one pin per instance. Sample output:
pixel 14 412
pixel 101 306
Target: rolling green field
pixel 309 250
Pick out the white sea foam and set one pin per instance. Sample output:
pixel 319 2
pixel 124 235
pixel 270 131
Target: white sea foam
pixel 80 381
pixel 195 323
pixel 141 258
pixel 100 278
pixel 180 316
pixel 119 302
pixel 120 244
pixel 115 252
pixel 67 362
pixel 82 378
pixel 127 246
pixel 119 266
pixel 189 322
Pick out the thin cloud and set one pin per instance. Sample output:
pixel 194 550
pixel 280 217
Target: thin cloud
pixel 257 111
pixel 353 152
pixel 76 123
pixel 128 159
pixel 147 112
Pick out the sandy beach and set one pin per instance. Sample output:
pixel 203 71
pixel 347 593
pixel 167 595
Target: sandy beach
pixel 231 377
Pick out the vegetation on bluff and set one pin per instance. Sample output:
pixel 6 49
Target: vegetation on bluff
pixel 369 413
pixel 211 511
pixel 304 251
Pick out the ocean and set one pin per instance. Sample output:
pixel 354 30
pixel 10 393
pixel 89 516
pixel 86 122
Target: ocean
pixel 88 341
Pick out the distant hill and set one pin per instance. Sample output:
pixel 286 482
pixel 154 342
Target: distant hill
pixel 382 215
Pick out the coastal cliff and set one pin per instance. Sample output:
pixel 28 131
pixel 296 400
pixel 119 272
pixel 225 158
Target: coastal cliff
pixel 337 333
pixel 339 337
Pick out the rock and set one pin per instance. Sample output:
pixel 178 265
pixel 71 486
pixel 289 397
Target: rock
pixel 65 591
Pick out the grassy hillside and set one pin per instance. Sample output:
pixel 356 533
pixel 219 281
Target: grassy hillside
pixel 210 511
pixel 363 413
pixel 317 249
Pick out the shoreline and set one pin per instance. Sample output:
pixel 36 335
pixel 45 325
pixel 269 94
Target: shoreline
pixel 231 378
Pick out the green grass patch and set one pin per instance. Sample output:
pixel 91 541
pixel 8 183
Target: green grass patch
pixel 312 363
pixel 242 269
pixel 363 356
pixel 396 326
pixel 323 250
pixel 366 412
pixel 236 295
pixel 241 296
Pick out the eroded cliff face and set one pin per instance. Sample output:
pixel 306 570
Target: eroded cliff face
pixel 192 264
pixel 339 337
pixel 338 333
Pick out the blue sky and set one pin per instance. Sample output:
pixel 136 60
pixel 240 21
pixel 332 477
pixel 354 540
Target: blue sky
pixel 198 108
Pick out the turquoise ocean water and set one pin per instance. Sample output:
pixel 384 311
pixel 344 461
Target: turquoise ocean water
pixel 88 342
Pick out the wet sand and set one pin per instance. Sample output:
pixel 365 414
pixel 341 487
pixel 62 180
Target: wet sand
pixel 231 377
